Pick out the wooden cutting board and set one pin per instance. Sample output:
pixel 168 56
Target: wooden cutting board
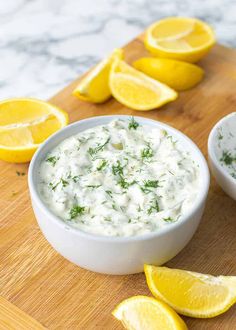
pixel 60 295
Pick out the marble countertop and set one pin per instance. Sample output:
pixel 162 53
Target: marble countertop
pixel 45 44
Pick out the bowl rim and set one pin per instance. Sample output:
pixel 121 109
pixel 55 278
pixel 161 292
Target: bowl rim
pixel 211 145
pixel 204 173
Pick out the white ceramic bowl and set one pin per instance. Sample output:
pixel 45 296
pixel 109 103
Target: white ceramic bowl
pixel 217 142
pixel 116 255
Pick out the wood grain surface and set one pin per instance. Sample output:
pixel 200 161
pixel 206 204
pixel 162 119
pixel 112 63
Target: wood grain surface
pixel 61 295
pixel 11 318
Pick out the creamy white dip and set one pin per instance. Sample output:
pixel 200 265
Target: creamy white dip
pixel 225 147
pixel 120 179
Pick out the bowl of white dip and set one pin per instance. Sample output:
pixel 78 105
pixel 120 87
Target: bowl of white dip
pixel 222 153
pixel 111 193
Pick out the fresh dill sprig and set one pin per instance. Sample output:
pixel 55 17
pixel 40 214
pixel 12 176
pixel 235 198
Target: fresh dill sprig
pixel 220 136
pixel 170 137
pixel 133 124
pixel 227 158
pixel 54 186
pixel 153 207
pixel 107 219
pixel 147 153
pixel 76 210
pixel 102 165
pixel 139 208
pixel 125 184
pixel 117 169
pixel 148 185
pixel 233 175
pixel 169 219
pixel 62 181
pixel 94 186
pixel 93 151
pixel 151 184
pixel 53 160
pixel 109 193
pixel 75 178
pixel 114 206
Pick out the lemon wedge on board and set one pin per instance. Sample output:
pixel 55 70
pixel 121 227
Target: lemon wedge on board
pixel 24 125
pixel 181 38
pixel 141 312
pixel 94 87
pixel 136 90
pixel 192 294
pixel 176 74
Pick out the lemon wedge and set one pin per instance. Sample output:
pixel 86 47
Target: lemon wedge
pixel 141 312
pixel 176 74
pixel 181 38
pixel 192 294
pixel 95 86
pixel 136 90
pixel 24 124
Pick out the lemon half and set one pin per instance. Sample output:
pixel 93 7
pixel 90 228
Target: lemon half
pixel 136 90
pixel 181 38
pixel 24 125
pixel 141 312
pixel 192 294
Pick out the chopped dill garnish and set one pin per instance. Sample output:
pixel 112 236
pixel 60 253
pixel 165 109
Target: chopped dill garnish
pixel 139 208
pixel 220 136
pixel 93 151
pixel 233 175
pixel 53 186
pixel 20 173
pixel 52 160
pixel 107 219
pixel 170 137
pixel 114 207
pixel 148 184
pixel 102 165
pixel 133 124
pixel 64 182
pixel 75 178
pixel 153 207
pixel 151 184
pixel 227 158
pixel 147 153
pixel 83 139
pixel 125 184
pixel 122 208
pixel 76 210
pixel 109 192
pixel 117 169
pixel 169 219
pixel 130 220
pixel 94 186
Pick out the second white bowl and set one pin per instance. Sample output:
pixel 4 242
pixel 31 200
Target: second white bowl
pixel 221 140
